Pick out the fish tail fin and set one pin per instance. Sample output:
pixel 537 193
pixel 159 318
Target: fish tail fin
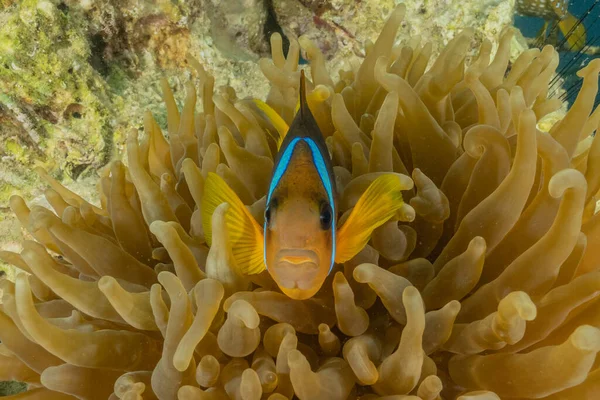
pixel 574 32
pixel 381 202
pixel 244 233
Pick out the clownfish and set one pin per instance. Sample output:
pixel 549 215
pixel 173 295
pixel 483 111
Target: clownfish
pixel 301 238
pixel 552 10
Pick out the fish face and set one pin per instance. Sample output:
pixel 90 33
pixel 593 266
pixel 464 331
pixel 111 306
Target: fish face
pixel 299 226
pixel 300 241
pixel 300 216
pixel 298 244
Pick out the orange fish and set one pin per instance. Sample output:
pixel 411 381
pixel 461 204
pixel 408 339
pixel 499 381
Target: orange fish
pixel 551 10
pixel 301 238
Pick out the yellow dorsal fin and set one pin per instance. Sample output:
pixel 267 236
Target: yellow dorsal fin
pixel 302 105
pixel 244 233
pixel 574 32
pixel 381 202
pixel 275 119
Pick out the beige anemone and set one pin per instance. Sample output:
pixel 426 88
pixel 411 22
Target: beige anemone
pixel 492 291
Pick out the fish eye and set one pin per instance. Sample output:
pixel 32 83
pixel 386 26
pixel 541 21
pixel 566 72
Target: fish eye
pixel 326 216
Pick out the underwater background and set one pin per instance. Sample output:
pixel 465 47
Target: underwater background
pixel 77 76
pixel 570 60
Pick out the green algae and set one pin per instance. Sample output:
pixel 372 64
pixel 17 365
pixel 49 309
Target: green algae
pixel 19 153
pixel 10 387
pixel 44 72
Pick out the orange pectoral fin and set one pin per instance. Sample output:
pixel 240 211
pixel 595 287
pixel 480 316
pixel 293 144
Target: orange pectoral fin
pixel 381 202
pixel 244 232
pixel 574 32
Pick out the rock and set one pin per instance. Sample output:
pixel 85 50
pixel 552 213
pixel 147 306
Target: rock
pixel 299 18
pixel 237 27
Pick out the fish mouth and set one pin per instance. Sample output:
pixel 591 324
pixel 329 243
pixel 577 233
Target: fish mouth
pixel 297 257
pixel 296 268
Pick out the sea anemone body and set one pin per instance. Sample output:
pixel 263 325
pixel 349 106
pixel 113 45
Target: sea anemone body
pixel 491 291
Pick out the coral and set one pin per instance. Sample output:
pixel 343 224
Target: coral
pixel 65 68
pixel 303 19
pixel 237 27
pixel 168 42
pixel 54 108
pixel 58 91
pixel 45 74
pixel 490 292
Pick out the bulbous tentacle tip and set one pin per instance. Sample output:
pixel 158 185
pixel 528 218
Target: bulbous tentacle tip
pixel 16 202
pixel 518 303
pixel 593 68
pixel 296 359
pixel 479 395
pixel 244 311
pixel 586 338
pixel 363 273
pixel 567 179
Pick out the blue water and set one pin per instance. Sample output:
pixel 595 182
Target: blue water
pixel 570 62
pixel 530 25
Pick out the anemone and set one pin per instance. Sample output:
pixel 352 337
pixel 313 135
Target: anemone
pixel 491 291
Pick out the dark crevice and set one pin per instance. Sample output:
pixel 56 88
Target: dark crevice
pixel 271 26
pixel 75 170
pixel 63 7
pixel 96 59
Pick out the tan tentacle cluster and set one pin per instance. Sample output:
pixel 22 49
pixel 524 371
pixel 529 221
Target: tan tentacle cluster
pixel 492 290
